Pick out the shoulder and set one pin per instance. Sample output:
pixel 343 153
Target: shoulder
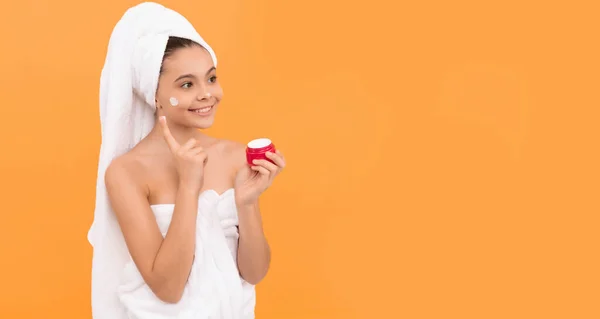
pixel 125 168
pixel 233 152
pixel 235 147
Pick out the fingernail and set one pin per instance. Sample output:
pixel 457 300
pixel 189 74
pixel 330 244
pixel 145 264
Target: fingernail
pixel 163 117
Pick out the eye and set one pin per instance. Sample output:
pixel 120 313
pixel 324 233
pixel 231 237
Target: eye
pixel 212 79
pixel 186 85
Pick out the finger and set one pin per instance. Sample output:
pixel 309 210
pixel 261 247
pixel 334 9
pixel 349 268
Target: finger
pixel 201 158
pixel 188 145
pixel 266 164
pixel 277 158
pixel 196 150
pixel 280 154
pixel 173 145
pixel 200 154
pixel 263 171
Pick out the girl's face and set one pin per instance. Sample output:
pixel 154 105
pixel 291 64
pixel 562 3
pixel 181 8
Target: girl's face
pixel 188 91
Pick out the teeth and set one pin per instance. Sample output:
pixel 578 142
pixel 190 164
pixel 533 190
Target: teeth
pixel 203 110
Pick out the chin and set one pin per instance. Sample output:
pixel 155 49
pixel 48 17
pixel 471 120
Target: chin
pixel 202 124
pixel 201 121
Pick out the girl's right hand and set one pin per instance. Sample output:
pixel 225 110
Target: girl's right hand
pixel 190 159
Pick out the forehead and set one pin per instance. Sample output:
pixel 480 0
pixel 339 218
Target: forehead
pixel 194 60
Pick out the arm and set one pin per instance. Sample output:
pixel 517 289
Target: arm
pixel 164 263
pixel 254 254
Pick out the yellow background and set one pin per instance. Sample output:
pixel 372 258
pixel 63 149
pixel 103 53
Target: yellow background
pixel 443 155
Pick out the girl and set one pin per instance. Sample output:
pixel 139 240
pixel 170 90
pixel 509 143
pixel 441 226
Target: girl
pixel 177 230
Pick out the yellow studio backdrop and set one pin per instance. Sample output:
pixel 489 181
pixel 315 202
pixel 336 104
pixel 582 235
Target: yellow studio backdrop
pixel 443 155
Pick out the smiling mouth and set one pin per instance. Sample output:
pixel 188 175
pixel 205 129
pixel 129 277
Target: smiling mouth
pixel 202 110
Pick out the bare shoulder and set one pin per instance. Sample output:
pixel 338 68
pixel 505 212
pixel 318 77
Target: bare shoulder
pixel 233 152
pixel 126 169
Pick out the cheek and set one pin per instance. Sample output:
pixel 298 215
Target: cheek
pixel 172 100
pixel 184 100
pixel 217 92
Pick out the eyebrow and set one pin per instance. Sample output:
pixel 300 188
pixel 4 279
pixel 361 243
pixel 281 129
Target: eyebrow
pixel 210 70
pixel 189 75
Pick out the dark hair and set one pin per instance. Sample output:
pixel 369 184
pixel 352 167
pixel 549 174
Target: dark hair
pixel 174 44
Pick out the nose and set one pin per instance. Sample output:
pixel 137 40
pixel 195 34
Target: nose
pixel 204 95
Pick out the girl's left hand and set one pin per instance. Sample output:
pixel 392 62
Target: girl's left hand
pixel 251 181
